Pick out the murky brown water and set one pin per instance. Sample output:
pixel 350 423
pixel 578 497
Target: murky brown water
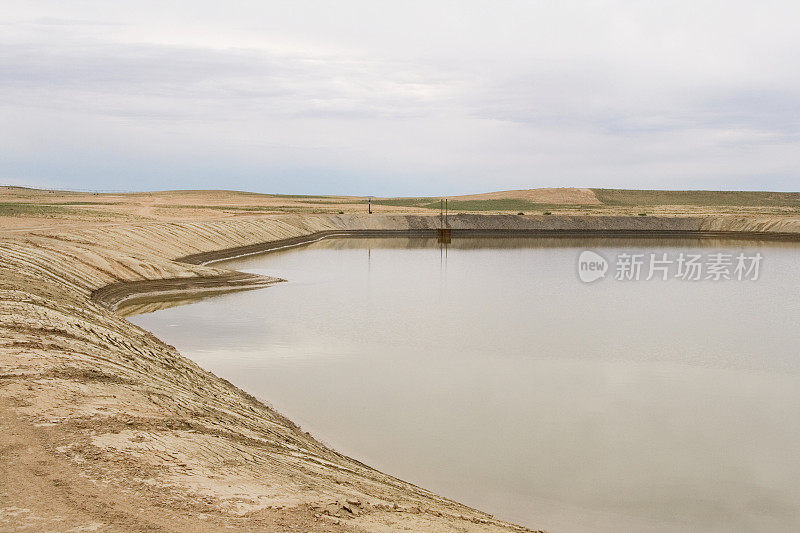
pixel 492 375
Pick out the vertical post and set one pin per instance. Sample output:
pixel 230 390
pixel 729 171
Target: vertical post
pixel 444 227
pixel 369 204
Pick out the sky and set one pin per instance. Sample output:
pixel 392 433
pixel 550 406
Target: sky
pixel 400 98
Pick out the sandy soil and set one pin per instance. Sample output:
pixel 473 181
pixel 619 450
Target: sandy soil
pixel 23 209
pixel 105 427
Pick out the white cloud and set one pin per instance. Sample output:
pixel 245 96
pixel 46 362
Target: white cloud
pixel 409 98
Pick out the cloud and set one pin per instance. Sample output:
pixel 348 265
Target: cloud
pixel 423 98
pixel 192 82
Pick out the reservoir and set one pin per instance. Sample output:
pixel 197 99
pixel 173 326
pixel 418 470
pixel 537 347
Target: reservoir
pixel 489 371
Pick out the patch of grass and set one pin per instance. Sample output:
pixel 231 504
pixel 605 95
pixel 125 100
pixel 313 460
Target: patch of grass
pixel 224 192
pixel 86 203
pixel 295 196
pixel 220 207
pixel 331 201
pixel 405 202
pixel 244 207
pixel 498 204
pixel 620 197
pixel 13 209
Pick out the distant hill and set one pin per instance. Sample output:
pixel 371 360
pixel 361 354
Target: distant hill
pixel 528 199
pixel 699 198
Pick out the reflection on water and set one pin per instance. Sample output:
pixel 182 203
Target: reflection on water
pixel 158 303
pixel 492 375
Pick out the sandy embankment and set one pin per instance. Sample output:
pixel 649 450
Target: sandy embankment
pixel 105 425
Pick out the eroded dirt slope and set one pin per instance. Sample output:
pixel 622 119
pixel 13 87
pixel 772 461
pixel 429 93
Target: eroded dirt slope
pixel 103 425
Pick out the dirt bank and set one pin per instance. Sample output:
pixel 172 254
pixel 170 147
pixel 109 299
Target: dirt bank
pixel 104 425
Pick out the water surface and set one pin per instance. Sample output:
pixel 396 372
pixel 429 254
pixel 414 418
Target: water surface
pixel 489 373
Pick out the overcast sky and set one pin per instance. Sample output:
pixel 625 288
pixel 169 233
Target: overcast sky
pixel 400 98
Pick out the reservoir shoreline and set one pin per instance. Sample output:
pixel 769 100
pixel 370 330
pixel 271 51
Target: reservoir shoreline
pixel 100 399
